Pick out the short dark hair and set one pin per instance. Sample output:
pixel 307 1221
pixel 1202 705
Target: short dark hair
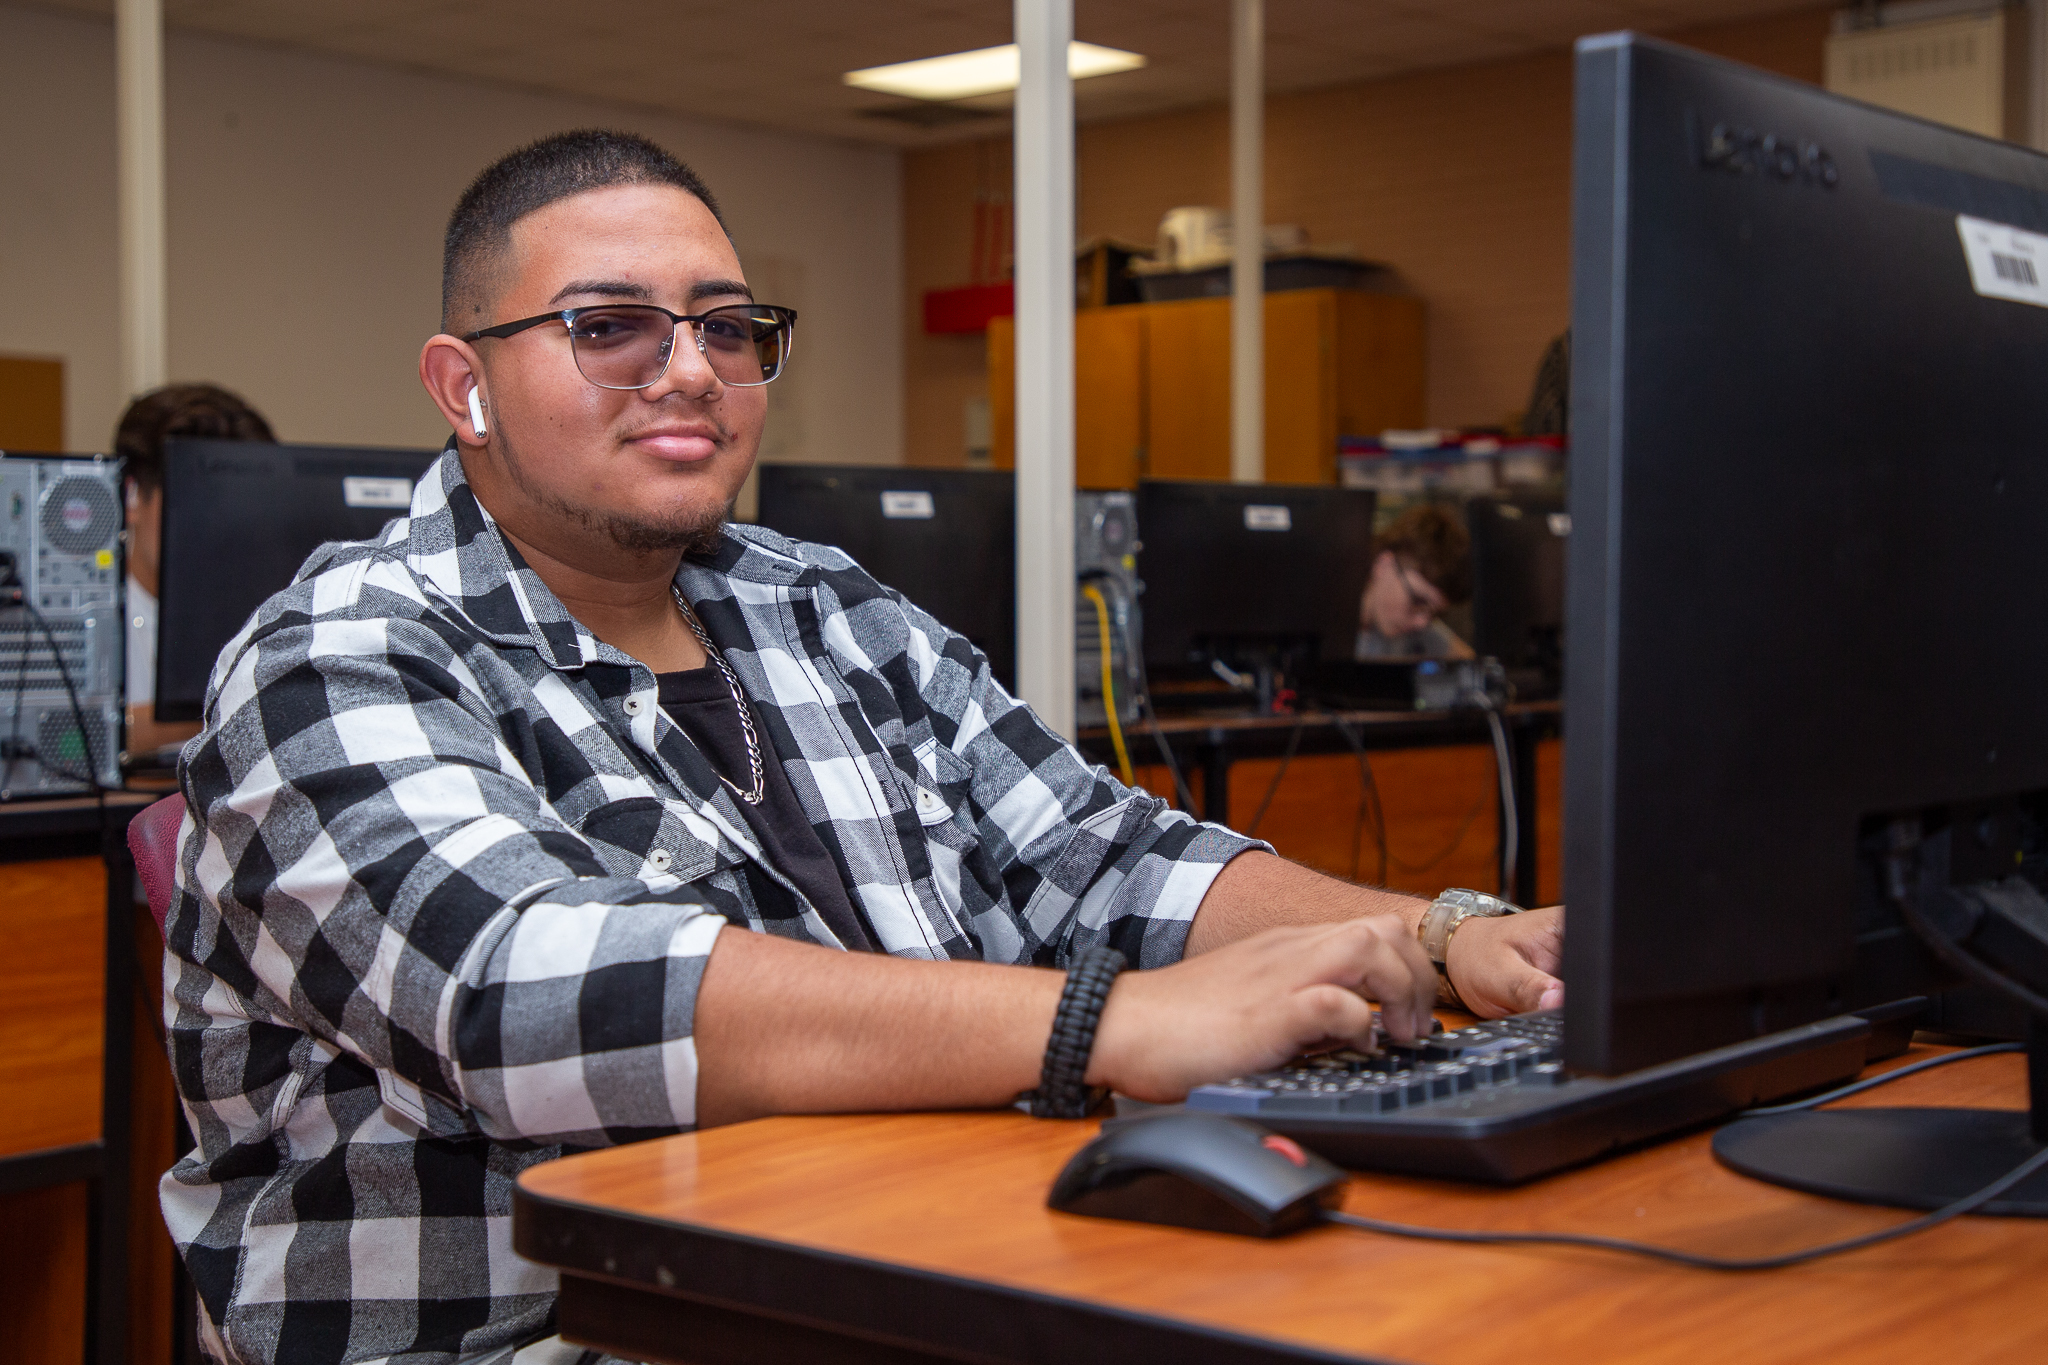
pixel 532 178
pixel 1436 543
pixel 205 410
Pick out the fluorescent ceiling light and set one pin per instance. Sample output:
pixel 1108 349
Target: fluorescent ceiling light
pixel 983 71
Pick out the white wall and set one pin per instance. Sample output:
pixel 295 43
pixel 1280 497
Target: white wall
pixel 307 201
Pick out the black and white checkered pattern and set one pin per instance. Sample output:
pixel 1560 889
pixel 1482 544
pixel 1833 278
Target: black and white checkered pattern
pixel 451 878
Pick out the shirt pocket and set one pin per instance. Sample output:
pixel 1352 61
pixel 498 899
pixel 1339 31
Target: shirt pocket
pixel 944 781
pixel 652 839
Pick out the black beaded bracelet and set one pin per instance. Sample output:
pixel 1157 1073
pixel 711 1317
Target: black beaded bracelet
pixel 1063 1082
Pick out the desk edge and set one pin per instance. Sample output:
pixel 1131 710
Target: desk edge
pixel 801 1284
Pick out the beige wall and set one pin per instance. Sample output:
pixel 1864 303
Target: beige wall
pixel 307 201
pixel 1459 178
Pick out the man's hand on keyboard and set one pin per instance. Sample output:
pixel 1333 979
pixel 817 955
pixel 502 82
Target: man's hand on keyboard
pixel 1259 1002
pixel 1508 965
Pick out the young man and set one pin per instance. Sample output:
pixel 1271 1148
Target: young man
pixel 1421 567
pixel 205 410
pixel 566 814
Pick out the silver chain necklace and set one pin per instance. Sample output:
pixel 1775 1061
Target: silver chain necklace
pixel 739 699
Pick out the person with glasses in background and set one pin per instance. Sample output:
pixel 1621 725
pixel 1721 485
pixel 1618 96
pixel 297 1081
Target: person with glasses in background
pixel 568 813
pixel 1422 566
pixel 196 410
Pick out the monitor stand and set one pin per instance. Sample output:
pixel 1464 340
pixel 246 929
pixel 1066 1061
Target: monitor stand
pixel 1905 1158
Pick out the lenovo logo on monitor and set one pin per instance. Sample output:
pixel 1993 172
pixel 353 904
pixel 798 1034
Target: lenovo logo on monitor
pixel 1744 151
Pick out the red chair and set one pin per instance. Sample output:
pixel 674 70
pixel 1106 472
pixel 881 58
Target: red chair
pixel 153 839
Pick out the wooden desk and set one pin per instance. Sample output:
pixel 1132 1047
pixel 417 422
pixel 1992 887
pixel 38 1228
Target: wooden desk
pixel 925 1237
pixel 69 953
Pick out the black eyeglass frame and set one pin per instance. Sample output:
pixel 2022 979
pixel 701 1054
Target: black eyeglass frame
pixel 567 317
pixel 1416 599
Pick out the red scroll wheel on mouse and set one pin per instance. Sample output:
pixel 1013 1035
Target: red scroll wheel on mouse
pixel 1286 1147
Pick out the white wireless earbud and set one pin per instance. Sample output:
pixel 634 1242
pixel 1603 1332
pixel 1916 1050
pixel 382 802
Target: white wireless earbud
pixel 476 414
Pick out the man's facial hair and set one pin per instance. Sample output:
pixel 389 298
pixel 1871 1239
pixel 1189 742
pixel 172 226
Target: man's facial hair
pixel 699 535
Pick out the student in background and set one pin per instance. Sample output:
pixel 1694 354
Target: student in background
pixel 1422 566
pixel 199 410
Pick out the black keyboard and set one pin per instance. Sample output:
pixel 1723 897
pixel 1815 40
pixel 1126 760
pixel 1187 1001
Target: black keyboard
pixel 1494 1102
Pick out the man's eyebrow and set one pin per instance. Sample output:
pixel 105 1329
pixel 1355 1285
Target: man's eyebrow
pixel 625 289
pixel 706 289
pixel 611 289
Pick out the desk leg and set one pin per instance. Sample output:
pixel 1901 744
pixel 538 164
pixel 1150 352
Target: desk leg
pixel 1524 740
pixel 1215 753
pixel 106 1326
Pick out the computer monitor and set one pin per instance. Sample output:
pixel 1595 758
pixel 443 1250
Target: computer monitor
pixel 1250 575
pixel 944 538
pixel 239 519
pixel 1808 703
pixel 1518 547
pixel 1806 580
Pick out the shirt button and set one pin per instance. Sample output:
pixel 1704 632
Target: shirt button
pixel 659 859
pixel 928 802
pixel 634 706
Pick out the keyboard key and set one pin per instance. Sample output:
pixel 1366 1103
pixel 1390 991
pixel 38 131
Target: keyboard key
pixel 1226 1099
pixel 1382 1098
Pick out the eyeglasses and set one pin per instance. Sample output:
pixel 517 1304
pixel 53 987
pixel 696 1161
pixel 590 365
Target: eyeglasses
pixel 629 345
pixel 1425 605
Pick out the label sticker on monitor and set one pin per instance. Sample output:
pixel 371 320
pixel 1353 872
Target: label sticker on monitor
pixel 360 490
pixel 911 506
pixel 1267 517
pixel 2005 262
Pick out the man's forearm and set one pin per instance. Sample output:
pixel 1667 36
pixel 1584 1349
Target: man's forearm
pixel 791 1028
pixel 1258 891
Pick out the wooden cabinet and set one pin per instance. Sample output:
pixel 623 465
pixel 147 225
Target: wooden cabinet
pixel 1152 385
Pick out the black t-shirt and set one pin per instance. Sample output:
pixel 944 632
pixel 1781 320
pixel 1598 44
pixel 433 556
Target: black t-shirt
pixel 700 703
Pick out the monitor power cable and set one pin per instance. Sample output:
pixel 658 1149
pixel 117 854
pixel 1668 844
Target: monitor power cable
pixel 1871 1083
pixel 1957 1208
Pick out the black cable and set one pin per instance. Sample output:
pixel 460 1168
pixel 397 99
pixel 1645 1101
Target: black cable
pixel 1464 828
pixel 1968 1202
pixel 1954 956
pixel 1368 802
pixel 1293 741
pixel 1504 769
pixel 1858 1087
pixel 1150 715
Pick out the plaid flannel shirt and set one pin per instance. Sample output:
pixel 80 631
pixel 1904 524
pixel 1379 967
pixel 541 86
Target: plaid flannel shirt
pixel 450 877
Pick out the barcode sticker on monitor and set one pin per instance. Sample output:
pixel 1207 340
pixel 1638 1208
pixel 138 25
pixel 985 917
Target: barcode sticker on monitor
pixel 2005 262
pixel 1267 517
pixel 911 506
pixel 360 490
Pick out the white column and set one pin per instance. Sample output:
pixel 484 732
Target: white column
pixel 139 138
pixel 1044 200
pixel 1248 238
pixel 1248 231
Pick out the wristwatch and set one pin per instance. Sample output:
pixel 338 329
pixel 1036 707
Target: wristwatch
pixel 1442 919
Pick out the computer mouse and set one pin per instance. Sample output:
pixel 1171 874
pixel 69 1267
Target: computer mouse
pixel 1195 1170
